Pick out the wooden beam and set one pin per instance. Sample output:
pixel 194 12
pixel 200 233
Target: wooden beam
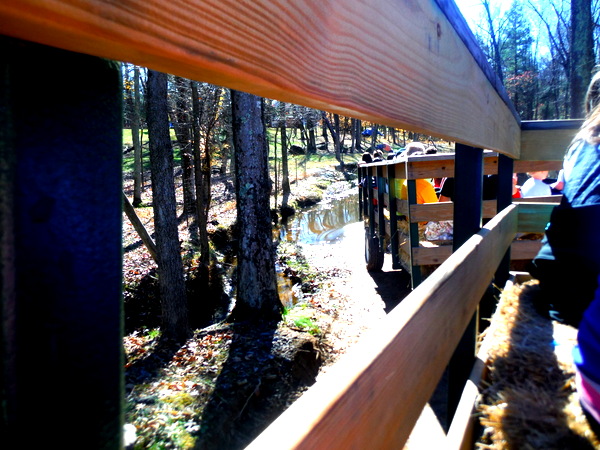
pixel 547 140
pixel 524 249
pixel 533 217
pixel 272 49
pixel 372 397
pixel 551 199
pixel 442 165
pixel 64 259
pixel 435 254
pixel 533 166
pixel 426 212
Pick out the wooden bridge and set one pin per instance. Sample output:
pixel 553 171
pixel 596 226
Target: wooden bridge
pixel 406 64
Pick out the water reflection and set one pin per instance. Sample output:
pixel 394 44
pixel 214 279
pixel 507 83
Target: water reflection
pixel 322 223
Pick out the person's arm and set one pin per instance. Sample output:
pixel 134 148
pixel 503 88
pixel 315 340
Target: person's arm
pixel 447 190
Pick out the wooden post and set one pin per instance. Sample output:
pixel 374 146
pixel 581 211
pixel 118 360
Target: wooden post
pixel 393 207
pixel 361 181
pixel 380 207
pixel 415 272
pixel 62 360
pixel 370 205
pixel 468 194
pixel 505 172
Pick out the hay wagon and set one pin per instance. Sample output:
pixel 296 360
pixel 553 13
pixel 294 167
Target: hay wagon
pixel 373 396
pixel 414 249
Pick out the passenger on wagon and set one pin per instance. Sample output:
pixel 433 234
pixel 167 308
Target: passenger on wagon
pixel 425 190
pixel 568 264
pixel 535 186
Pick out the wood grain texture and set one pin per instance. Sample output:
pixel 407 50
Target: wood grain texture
pixel 532 166
pixel 445 211
pixel 524 250
pixel 533 217
pixel 398 63
pixel 545 143
pixel 373 396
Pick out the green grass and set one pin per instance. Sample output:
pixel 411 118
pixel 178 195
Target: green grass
pixel 300 317
pixel 296 163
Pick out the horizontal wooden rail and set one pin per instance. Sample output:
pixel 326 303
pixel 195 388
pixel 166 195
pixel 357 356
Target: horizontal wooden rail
pixel 429 253
pixel 445 211
pixel 533 217
pixel 373 396
pixel 547 140
pixel 532 166
pixel 269 48
pixel 442 165
pixel 534 214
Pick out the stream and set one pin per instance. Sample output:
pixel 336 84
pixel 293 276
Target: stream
pixel 321 224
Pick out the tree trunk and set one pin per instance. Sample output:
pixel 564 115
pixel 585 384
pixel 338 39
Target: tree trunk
pixel 334 135
pixel 183 132
pixel 257 296
pixel 170 266
pixel 312 146
pixel 285 174
pixel 201 208
pixel 582 54
pixel 358 137
pixel 139 228
pixel 135 136
pixel 494 42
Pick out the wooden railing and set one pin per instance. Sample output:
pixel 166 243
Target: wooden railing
pixel 374 395
pixel 379 190
pixel 411 65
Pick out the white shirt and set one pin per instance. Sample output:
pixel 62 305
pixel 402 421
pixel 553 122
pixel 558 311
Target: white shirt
pixel 535 188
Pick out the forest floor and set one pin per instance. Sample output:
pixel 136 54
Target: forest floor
pixel 226 383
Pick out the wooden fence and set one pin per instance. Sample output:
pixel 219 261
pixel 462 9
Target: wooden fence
pixel 411 65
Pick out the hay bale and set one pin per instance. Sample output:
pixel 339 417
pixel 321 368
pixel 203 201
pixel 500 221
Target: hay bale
pixel 529 399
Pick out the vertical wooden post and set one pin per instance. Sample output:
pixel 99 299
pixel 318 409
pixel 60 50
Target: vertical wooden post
pixel 505 172
pixel 361 181
pixel 370 205
pixel 393 207
pixel 62 323
pixel 380 207
pixel 413 227
pixel 468 194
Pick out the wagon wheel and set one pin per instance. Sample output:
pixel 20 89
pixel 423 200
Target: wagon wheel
pixel 373 254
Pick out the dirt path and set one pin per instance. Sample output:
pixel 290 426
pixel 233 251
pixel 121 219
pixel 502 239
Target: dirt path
pixel 364 297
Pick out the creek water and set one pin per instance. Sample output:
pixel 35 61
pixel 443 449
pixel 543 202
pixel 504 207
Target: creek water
pixel 321 224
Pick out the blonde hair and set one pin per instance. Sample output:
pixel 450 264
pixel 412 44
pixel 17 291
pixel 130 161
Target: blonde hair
pixel 590 130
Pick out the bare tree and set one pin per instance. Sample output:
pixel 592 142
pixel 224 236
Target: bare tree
pixel 170 267
pixel 582 53
pixel 334 134
pixel 494 44
pixel 257 296
pixel 138 170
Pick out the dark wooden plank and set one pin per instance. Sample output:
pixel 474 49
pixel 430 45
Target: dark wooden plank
pixel 65 327
pixel 468 193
